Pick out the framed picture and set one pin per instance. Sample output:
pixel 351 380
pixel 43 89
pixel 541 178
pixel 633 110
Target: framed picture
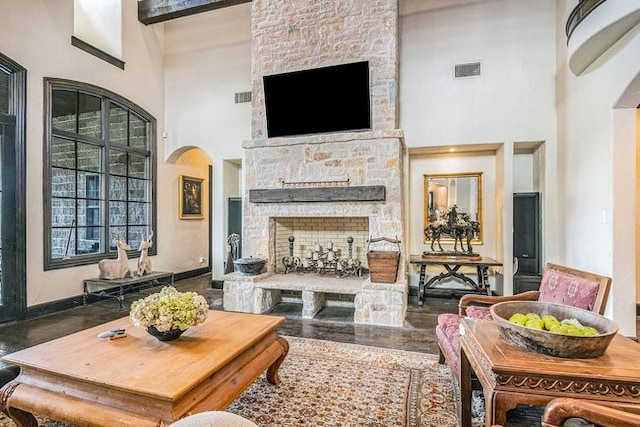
pixel 191 197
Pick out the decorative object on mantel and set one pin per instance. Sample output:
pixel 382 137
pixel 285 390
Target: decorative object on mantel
pixel 457 225
pixel 169 311
pixel 144 262
pixel 116 268
pixel 383 265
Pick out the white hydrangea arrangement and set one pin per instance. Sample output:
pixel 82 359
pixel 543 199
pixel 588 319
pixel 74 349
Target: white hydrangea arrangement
pixel 169 309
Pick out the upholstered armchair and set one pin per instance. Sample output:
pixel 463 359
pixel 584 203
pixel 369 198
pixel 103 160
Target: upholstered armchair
pixel 559 284
pixel 560 410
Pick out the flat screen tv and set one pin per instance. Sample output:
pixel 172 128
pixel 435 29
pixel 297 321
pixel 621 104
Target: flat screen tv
pixel 319 100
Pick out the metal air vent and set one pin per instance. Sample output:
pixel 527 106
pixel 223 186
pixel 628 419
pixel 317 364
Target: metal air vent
pixel 471 69
pixel 241 97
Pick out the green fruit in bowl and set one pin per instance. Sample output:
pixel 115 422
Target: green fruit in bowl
pixel 518 318
pixel 550 321
pixel 535 323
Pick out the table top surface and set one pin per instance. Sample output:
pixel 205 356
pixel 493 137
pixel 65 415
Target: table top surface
pixel 456 260
pixel 141 363
pixel 618 363
pixel 151 276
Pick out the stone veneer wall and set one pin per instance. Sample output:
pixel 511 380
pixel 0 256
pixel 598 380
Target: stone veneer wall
pixel 293 35
pixel 365 158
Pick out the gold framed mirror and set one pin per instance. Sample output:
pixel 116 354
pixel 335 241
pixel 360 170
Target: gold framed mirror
pixel 441 191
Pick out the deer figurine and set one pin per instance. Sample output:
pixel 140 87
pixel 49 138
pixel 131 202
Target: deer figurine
pixel 116 268
pixel 144 262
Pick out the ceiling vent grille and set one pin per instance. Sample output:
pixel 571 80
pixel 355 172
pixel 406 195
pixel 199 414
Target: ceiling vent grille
pixel 471 69
pixel 241 97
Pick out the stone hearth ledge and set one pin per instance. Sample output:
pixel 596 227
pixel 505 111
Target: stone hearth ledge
pixel 382 304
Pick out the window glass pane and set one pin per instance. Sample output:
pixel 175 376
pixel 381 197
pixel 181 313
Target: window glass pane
pixel 89 157
pixel 4 92
pixel 63 153
pixel 90 112
pixel 63 212
pixel 137 234
pixel 88 240
pixel 63 242
pixel 138 213
pixel 117 188
pixel 137 166
pixel 117 162
pixel 117 125
pixel 64 107
pixel 89 213
pixel 122 231
pixel 90 186
pixel 137 132
pixel 137 190
pixel 118 213
pixel 63 183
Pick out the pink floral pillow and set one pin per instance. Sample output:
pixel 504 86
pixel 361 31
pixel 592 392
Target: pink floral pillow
pixel 558 287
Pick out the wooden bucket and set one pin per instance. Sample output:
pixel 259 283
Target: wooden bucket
pixel 383 265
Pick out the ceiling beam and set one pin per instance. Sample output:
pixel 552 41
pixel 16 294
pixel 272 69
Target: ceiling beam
pixel 154 11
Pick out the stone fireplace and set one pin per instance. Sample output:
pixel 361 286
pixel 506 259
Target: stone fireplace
pixel 345 184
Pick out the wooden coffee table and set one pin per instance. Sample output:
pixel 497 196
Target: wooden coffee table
pixel 140 381
pixel 510 376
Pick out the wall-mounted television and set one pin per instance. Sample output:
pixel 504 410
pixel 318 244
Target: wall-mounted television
pixel 319 100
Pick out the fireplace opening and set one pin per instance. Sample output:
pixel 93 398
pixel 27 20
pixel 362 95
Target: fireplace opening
pixel 321 245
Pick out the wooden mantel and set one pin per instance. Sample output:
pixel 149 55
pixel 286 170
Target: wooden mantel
pixel 365 193
pixel 154 11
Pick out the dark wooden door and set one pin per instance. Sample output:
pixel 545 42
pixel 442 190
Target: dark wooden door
pixel 235 220
pixel 8 274
pixel 526 232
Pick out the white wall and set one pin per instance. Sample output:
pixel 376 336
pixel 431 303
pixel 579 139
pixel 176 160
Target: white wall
pixel 207 60
pixel 513 99
pixel 37 35
pixel 597 171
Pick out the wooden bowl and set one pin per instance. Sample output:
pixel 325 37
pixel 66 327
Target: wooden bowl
pixel 549 343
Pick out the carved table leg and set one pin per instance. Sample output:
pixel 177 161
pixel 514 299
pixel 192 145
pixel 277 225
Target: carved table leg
pixel 272 371
pixel 20 417
pixel 465 390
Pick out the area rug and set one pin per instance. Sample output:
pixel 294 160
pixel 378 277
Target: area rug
pixel 325 383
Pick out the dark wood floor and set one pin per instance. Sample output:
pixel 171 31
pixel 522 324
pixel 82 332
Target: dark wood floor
pixel 333 323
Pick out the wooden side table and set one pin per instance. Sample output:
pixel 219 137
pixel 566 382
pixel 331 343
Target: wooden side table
pixel 116 288
pixel 452 266
pixel 510 376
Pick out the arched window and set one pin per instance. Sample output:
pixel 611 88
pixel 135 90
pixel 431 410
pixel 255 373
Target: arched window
pixel 99 173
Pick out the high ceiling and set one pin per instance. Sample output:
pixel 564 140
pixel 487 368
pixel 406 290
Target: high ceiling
pixel 155 11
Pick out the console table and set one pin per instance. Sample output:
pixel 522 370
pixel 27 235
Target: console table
pixel 452 266
pixel 117 287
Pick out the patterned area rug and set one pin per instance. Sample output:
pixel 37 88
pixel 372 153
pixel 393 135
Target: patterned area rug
pixel 333 384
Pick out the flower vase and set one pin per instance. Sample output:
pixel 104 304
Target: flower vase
pixel 169 335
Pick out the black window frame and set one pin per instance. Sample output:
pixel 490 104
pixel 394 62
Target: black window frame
pixel 108 98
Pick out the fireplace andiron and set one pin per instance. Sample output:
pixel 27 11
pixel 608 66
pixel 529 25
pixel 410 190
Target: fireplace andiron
pixel 321 261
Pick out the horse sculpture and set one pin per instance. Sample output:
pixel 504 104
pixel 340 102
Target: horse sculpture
pixel 458 226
